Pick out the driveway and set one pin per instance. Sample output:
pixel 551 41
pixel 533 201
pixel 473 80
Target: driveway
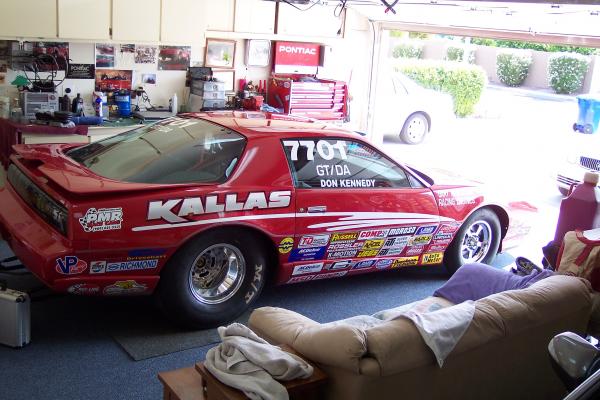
pixel 513 144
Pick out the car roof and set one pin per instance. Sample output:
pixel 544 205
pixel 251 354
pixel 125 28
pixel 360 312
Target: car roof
pixel 260 124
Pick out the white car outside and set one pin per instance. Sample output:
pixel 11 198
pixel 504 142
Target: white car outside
pixel 583 155
pixel 408 109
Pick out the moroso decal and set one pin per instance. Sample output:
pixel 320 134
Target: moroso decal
pixel 125 287
pixel 301 278
pixel 373 234
pixel 174 210
pixel 344 237
pixel 432 258
pixel 313 241
pixel 307 268
pixel 286 244
pixel 307 254
pixel 131 265
pixel 339 265
pixel 405 261
pixel 330 275
pixel 97 267
pixel 102 219
pixel 426 230
pixel 70 265
pixel 405 230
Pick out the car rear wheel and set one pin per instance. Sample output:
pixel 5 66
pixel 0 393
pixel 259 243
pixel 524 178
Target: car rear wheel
pixel 477 240
pixel 213 279
pixel 415 128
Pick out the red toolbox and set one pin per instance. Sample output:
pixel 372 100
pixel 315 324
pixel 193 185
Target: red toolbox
pixel 310 97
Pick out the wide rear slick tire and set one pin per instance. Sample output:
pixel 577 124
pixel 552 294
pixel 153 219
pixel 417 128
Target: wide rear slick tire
pixel 212 279
pixel 477 240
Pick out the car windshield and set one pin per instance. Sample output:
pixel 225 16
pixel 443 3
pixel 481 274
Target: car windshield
pixel 177 150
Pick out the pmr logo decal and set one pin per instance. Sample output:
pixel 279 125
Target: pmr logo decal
pixel 286 245
pixel 70 265
pixel 102 219
pixel 432 258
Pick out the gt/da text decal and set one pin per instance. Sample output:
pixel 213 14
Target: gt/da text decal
pixel 326 150
pixel 102 219
pixel 175 209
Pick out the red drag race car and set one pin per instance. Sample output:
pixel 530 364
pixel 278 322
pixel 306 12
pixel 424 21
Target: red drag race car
pixel 201 209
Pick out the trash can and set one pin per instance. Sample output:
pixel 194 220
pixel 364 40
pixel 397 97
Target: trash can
pixel 589 114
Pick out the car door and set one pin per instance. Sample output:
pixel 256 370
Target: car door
pixel 355 206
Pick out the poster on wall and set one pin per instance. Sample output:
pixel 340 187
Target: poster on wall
pixel 51 56
pixel 125 56
pixel 174 58
pixel 81 71
pixel 105 55
pixel 145 54
pixel 108 80
pixel 20 54
pixel 149 79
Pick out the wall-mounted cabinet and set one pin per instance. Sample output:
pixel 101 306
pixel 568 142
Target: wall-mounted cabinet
pixel 221 17
pixel 319 20
pixel 183 21
pixel 136 20
pixel 255 16
pixel 84 19
pixel 28 18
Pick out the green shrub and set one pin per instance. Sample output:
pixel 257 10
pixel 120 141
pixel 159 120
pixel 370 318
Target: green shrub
pixel 512 67
pixel 408 50
pixel 457 53
pixel 566 72
pixel 517 44
pixel 464 82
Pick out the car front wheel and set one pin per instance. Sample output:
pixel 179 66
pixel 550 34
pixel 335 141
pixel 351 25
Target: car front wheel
pixel 414 129
pixel 213 279
pixel 477 240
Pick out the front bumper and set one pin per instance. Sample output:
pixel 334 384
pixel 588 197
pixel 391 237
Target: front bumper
pixel 570 174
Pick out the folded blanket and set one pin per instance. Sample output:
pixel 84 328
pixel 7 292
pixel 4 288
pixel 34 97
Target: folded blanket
pixel 440 329
pixel 248 363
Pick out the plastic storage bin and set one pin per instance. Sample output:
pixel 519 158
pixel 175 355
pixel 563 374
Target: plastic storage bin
pixel 589 114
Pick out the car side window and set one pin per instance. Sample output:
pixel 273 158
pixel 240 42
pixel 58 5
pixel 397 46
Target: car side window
pixel 341 163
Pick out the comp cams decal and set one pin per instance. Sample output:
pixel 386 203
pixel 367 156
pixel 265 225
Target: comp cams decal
pixel 373 234
pixel 70 265
pixel 102 219
pixel 174 210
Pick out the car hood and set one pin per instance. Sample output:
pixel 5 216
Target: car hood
pixel 52 163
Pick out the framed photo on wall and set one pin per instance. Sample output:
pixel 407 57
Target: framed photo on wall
pixel 258 52
pixel 227 76
pixel 219 53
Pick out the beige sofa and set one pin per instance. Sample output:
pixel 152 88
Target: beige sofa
pixel 502 355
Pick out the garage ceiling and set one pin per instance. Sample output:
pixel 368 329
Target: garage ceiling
pixel 574 24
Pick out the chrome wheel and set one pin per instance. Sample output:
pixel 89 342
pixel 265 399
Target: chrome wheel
pixel 476 242
pixel 217 273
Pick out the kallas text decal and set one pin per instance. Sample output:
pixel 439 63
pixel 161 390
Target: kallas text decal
pixel 102 219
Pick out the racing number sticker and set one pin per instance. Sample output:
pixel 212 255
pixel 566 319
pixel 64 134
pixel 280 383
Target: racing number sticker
pixel 325 149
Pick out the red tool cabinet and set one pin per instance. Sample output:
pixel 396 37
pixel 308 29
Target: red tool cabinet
pixel 309 97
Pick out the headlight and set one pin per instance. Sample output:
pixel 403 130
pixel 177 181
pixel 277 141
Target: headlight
pixel 44 205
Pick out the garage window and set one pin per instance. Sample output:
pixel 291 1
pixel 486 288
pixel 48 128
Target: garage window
pixel 175 151
pixel 339 163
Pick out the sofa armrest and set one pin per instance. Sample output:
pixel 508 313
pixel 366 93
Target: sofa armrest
pixel 334 344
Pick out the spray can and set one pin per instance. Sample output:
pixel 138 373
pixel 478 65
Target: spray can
pixel 581 209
